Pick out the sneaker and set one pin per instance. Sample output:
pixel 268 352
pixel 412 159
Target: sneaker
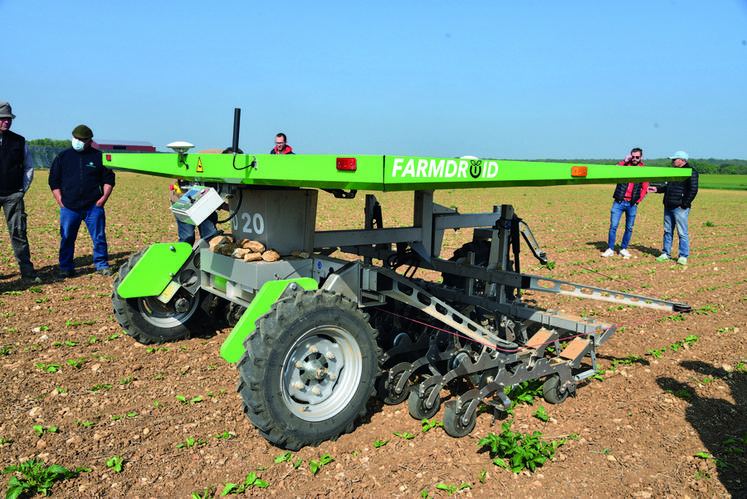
pixel 65 274
pixel 107 271
pixel 682 260
pixel 662 258
pixel 609 252
pixel 625 253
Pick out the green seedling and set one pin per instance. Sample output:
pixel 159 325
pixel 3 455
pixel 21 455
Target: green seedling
pixel 380 443
pixel 717 462
pixel 191 442
pixel 126 381
pixel 116 463
pixel 35 289
pixel 4 441
pixel 404 435
pixel 541 414
pixel 100 387
pixel 7 315
pixel 206 494
pixel 12 292
pixel 6 350
pixel 184 401
pixel 39 429
pixel 228 435
pixel 38 478
pixel 657 353
pixel 481 479
pixel 50 368
pixel 733 449
pixel 315 466
pixel 451 489
pixel 285 457
pixel 61 390
pixel 76 363
pixel 67 343
pixel 112 337
pixel 515 451
pixel 86 424
pixel 70 323
pixel 428 425
pixel 251 481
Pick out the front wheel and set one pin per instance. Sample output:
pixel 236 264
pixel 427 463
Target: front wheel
pixel 149 320
pixel 308 369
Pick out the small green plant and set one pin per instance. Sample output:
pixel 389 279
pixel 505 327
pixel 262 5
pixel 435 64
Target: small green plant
pixel 733 449
pixel 709 224
pixel 717 462
pixel 86 424
pixel 404 435
pixel 206 494
pixel 76 364
pixel 226 435
pixel 4 441
pixel 100 387
pixel 515 451
pixel 451 489
pixel 116 463
pixel 39 429
pixel 429 425
pixel 191 442
pixel 315 466
pixel 481 479
pixel 380 443
pixel 126 381
pixel 541 414
pixel 285 457
pixel 251 481
pixel 6 350
pixel 38 478
pixel 50 368
pixel 184 401
pixel 61 390
pixel 549 265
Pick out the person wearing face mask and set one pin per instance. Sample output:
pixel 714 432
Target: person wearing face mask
pixel 81 185
pixel 16 174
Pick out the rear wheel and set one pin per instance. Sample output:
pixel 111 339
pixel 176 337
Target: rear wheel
pixel 149 320
pixel 551 390
pixel 453 424
pixel 309 369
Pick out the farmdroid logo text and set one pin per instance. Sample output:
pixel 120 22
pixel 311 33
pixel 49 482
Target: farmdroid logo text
pixel 443 168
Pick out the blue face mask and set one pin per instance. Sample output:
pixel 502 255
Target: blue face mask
pixel 78 145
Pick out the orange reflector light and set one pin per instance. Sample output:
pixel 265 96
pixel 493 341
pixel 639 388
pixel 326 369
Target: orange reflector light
pixel 578 171
pixel 347 164
pixel 108 157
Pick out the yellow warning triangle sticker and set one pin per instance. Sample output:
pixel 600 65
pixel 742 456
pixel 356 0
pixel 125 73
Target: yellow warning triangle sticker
pixel 199 165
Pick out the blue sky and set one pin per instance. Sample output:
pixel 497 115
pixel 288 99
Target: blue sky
pixel 512 80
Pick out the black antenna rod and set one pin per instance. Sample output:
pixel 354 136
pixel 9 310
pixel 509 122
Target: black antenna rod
pixel 236 124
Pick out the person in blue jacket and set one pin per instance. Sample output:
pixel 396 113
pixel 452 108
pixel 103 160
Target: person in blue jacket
pixel 81 184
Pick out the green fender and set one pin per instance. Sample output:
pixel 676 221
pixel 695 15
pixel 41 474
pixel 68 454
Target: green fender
pixel 233 348
pixel 154 271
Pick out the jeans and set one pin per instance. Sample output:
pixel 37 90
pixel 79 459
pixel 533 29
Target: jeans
pixel 618 208
pixel 676 217
pixel 95 219
pixel 187 231
pixel 15 216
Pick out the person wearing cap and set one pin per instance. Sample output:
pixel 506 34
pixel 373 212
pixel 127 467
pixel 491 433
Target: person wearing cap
pixel 678 198
pixel 627 196
pixel 281 145
pixel 16 175
pixel 81 185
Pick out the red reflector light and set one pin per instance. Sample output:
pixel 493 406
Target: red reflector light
pixel 578 171
pixel 347 164
pixel 108 157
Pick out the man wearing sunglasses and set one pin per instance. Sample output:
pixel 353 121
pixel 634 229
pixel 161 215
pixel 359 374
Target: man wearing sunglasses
pixel 627 196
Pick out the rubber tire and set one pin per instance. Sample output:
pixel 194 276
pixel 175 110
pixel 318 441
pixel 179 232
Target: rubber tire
pixel 453 425
pixel 551 390
pixel 417 407
pixel 135 319
pixel 319 317
pixel 385 389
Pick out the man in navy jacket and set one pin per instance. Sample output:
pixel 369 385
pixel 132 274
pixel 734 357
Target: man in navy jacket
pixel 81 184
pixel 678 198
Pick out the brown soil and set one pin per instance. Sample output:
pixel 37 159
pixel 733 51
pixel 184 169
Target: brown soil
pixel 636 432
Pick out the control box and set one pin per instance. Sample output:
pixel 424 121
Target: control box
pixel 196 205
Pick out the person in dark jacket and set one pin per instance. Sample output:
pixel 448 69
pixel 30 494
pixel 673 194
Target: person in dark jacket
pixel 678 198
pixel 81 184
pixel 281 145
pixel 16 175
pixel 627 196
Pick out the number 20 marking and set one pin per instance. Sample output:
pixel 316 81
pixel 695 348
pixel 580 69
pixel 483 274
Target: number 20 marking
pixel 251 224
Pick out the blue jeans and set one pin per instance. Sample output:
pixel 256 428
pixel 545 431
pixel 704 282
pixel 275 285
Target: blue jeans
pixel 95 219
pixel 618 208
pixel 676 217
pixel 187 231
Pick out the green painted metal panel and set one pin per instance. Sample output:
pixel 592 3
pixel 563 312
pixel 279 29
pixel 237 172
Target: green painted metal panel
pixel 153 272
pixel 381 173
pixel 233 347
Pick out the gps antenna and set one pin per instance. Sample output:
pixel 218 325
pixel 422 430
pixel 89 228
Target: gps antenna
pixel 236 124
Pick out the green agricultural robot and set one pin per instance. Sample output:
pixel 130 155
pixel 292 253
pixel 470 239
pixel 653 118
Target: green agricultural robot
pixel 314 337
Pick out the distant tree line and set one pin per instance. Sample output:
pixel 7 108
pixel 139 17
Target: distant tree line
pixel 704 166
pixel 50 143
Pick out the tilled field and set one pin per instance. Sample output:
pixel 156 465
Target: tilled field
pixel 663 419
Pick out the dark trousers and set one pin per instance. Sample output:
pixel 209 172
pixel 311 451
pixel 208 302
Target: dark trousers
pixel 15 216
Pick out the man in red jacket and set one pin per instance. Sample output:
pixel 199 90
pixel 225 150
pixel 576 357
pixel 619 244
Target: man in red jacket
pixel 281 145
pixel 627 196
